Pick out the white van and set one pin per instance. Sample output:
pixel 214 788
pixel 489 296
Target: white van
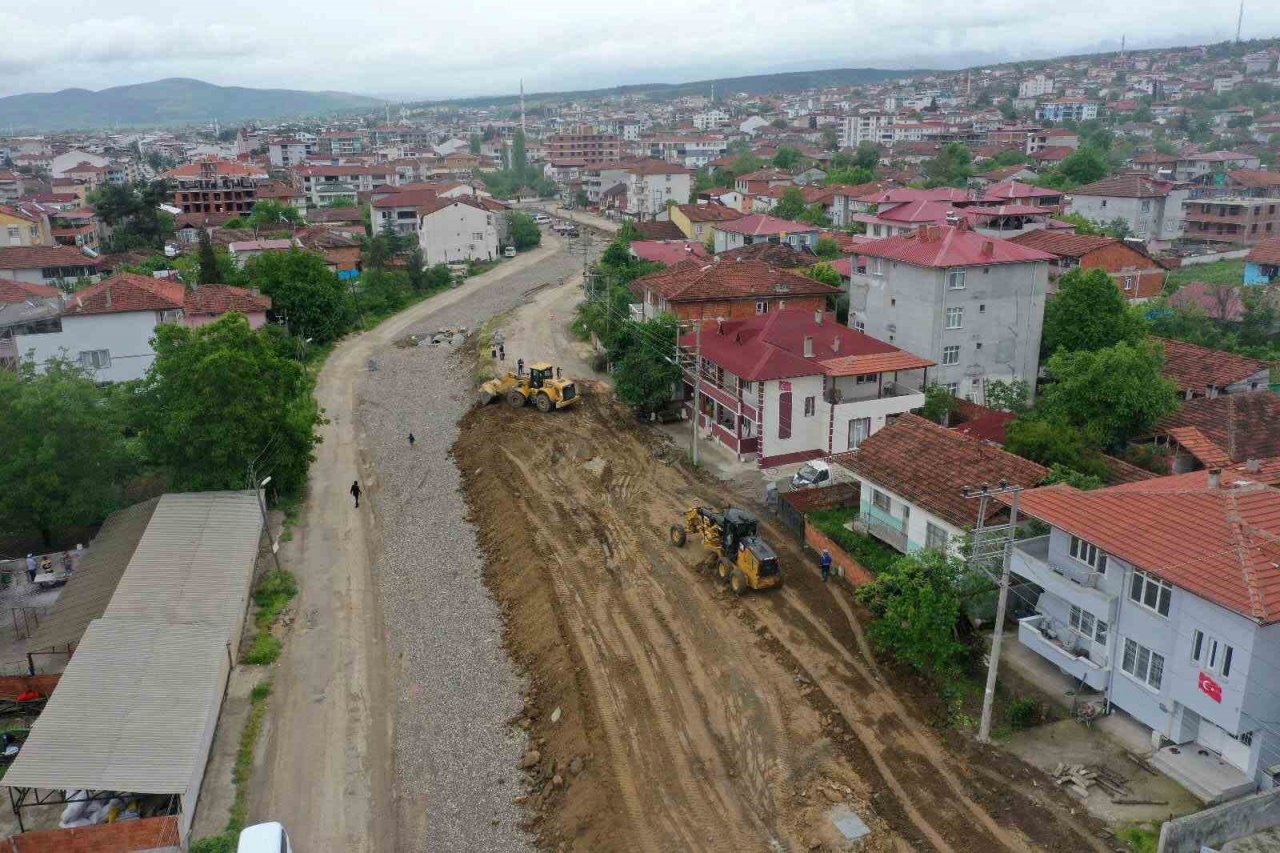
pixel 264 838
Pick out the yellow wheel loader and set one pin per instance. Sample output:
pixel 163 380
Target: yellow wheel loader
pixel 740 556
pixel 536 385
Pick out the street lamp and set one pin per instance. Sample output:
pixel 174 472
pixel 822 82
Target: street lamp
pixel 262 505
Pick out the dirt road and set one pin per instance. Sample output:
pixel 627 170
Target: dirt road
pixel 540 329
pixel 325 767
pixel 667 714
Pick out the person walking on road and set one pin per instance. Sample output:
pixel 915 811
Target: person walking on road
pixel 355 492
pixel 31 568
pixel 825 564
pixel 411 441
pixel 66 562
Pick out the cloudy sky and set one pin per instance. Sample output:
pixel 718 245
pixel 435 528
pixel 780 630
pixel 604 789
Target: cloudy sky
pixel 446 48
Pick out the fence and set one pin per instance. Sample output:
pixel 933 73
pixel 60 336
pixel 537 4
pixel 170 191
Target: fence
pixel 1212 828
pixel 793 506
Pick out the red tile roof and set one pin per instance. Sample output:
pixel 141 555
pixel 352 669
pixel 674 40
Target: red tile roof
pixel 1063 244
pixel 655 230
pixel 125 292
pixel 697 280
pixel 904 194
pixel 929 465
pixel 222 168
pixel 1265 252
pixel 1221 544
pixel 951 246
pixel 775 254
pixel 1255 178
pixel 1196 368
pixel 1242 425
pixel 1198 445
pixel 14 291
pixel 1014 190
pixel 709 212
pixel 1053 153
pixel 760 224
pixel 37 257
pixel 220 298
pixel 1127 185
pixel 669 252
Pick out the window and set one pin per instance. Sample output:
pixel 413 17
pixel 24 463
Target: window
pixel 859 429
pixel 935 538
pixel 866 379
pixel 1104 202
pixel 784 415
pixel 1211 653
pixel 951 355
pixel 1245 738
pixel 879 500
pixel 477 235
pixel 1152 593
pixel 1128 282
pixel 877 266
pixel 955 279
pixel 982 309
pixel 1143 664
pixel 14 231
pixel 97 359
pixel 1088 554
pixel 953 388
pixel 860 325
pixel 955 318
pixel 1088 625
pixel 810 406
pixel 762 306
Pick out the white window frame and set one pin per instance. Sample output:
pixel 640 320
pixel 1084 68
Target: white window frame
pixel 877 266
pixel 1163 592
pixel 955 317
pixel 953 388
pixel 878 497
pixel 95 359
pixel 1142 664
pixel 932 534
pixel 1088 626
pixel 951 355
pixel 762 306
pixel 810 406
pixel 955 278
pixel 1211 654
pixel 1089 554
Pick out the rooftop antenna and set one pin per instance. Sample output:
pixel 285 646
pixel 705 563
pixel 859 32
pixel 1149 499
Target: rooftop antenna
pixel 1239 21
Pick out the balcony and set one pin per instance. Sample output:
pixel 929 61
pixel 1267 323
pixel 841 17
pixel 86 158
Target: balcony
pixel 1073 583
pixel 1062 648
pixel 883 526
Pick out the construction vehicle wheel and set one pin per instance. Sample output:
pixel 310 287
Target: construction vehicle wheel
pixel 515 399
pixel 738 582
pixel 678 536
pixel 544 403
pixel 485 398
pixel 723 569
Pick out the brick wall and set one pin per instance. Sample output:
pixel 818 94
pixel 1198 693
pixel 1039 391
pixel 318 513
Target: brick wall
pixel 1121 260
pixel 847 567
pixel 125 837
pixel 12 685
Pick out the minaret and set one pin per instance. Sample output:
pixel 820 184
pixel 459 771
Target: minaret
pixel 522 130
pixel 1239 21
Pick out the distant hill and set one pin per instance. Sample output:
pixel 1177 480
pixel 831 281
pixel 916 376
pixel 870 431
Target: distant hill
pixel 755 84
pixel 176 100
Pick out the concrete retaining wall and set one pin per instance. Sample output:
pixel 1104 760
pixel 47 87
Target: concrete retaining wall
pixel 1216 826
pixel 1216 256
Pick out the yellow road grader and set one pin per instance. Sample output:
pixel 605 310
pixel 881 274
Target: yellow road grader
pixel 739 555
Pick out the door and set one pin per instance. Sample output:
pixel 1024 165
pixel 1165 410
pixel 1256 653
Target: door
pixel 859 429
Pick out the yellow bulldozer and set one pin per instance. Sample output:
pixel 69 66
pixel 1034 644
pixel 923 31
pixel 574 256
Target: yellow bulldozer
pixel 739 556
pixel 536 385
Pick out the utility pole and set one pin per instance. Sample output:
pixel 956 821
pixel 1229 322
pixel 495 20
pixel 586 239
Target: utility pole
pixel 697 382
pixel 982 550
pixel 1240 21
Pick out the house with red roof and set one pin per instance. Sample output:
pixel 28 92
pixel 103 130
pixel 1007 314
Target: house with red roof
pixel 1262 264
pixel 970 302
pixel 763 228
pixel 1135 272
pixel 1203 372
pixel 1161 598
pixel 669 252
pixel 727 289
pixel 1151 207
pixel 48 264
pixel 107 327
pixel 794 385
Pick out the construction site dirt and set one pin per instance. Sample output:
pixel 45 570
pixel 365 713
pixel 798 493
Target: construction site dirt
pixel 665 713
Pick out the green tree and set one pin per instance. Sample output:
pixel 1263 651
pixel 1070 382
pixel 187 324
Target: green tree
pixel 338 201
pixel 1007 158
pixel 866 156
pixel 1008 396
pixel 1051 441
pixel 830 139
pixel 852 176
pixel 787 157
pixel 828 249
pixel 134 215
pixel 815 214
pixel 1085 165
pixel 268 213
pixel 791 205
pixel 1062 474
pixel 939 403
pixel 473 143
pixel 824 273
pixel 415 269
pixel 744 165
pixel 644 376
pixel 384 292
pixel 65 450
pixel 209 272
pixel 780 123
pixel 525 233
pixel 1110 394
pixel 952 167
pixel 219 398
pixel 1088 313
pixel 915 610
pixel 304 293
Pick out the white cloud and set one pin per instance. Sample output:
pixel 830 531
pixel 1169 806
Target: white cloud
pixel 484 46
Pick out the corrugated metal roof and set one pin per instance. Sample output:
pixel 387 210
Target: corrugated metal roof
pixel 195 562
pixel 130 712
pixel 86 595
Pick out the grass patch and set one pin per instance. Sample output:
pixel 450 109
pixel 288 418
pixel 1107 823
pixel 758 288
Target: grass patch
pixel 872 554
pixel 228 839
pixel 265 649
pixel 1218 272
pixel 276 589
pixel 1140 839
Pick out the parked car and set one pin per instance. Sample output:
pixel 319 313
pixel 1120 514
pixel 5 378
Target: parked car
pixel 509 252
pixel 264 838
pixel 542 219
pixel 811 474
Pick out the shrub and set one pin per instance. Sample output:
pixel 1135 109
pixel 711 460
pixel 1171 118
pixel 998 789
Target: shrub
pixel 1025 712
pixel 265 649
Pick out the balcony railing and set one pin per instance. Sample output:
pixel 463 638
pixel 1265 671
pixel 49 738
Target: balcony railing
pixel 887 390
pixel 884 527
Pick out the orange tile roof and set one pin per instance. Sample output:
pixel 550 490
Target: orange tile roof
pixel 1241 425
pixel 746 279
pixel 1265 252
pixel 14 291
pixel 861 365
pixel 1198 445
pixel 1195 368
pixel 1221 544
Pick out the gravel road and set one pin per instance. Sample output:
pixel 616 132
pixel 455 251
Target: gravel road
pixel 456 754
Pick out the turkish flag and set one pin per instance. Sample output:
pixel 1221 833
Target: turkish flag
pixel 1210 688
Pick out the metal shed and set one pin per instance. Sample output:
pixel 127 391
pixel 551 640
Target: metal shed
pixel 135 711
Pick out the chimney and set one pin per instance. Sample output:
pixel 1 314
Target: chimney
pixel 988 248
pixel 719 325
pixel 835 344
pixel 817 317
pixel 808 346
pixel 1215 478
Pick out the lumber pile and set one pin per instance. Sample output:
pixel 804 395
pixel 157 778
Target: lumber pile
pixel 1079 779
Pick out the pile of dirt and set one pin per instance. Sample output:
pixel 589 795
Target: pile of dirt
pixel 667 714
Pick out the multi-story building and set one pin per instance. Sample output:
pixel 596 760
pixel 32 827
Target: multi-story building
pixel 690 151
pixel 973 304
pixel 1232 219
pixel 458 229
pixel 652 185
pixel 11 186
pixel 213 185
pixel 1203 168
pixel 26 225
pixel 1151 208
pixel 1135 273
pixel 322 184
pixel 726 289
pixel 287 152
pixel 1163 598
pixel 585 144
pixel 1067 109
pixel 340 143
pixel 1035 87
pixel 864 127
pixel 710 119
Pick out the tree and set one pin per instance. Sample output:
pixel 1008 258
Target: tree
pixel 851 176
pixel 830 139
pixel 473 143
pixel 824 273
pixel 867 156
pixel 1062 474
pixel 1007 158
pixel 525 233
pixel 952 167
pixel 339 201
pixel 1085 165
pixel 939 403
pixel 915 609
pixel 787 157
pixel 134 215
pixel 745 165
pixel 65 450
pixel 780 123
pixel 828 249
pixel 415 268
pixel 644 375
pixel 304 293
pixel 209 272
pixel 1088 313
pixel 1051 441
pixel 267 213
pixel 1110 394
pixel 219 398
pixel 791 205
pixel 1008 396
